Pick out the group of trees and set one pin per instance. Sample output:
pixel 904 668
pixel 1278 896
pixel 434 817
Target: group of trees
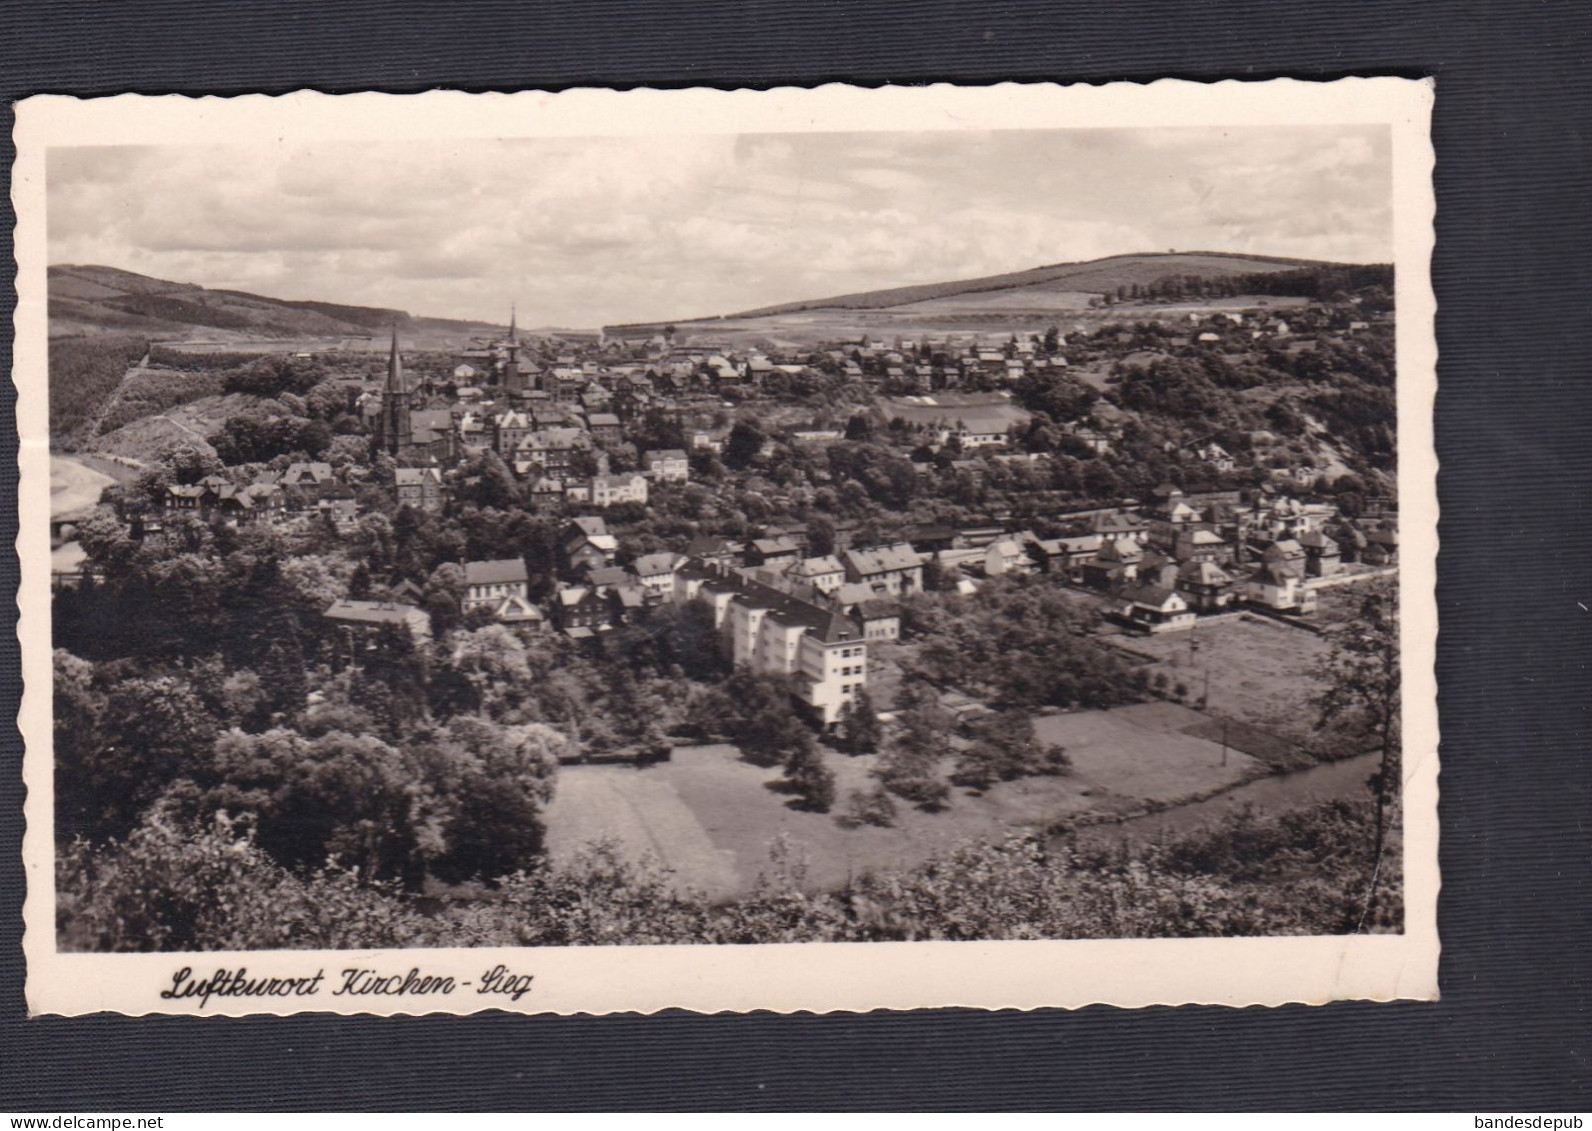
pixel 1300 873
pixel 1018 644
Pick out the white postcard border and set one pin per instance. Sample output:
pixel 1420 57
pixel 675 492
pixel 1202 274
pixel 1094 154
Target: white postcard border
pixel 817 977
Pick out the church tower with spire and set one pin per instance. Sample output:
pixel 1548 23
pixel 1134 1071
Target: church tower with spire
pixel 513 382
pixel 395 435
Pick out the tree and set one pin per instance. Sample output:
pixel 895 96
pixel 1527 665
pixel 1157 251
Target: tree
pixel 870 807
pixel 813 781
pixel 1363 683
pixel 859 728
pixel 744 445
pixel 491 784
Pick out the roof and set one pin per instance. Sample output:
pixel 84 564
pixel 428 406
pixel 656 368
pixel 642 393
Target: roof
pixel 884 559
pixel 372 612
pixel 817 567
pixel 667 453
pixel 767 546
pixel 496 572
pixel 604 420
pixel 1155 596
pixel 649 565
pixel 875 609
pixel 590 524
pixel 1278 573
pixel 415 476
pixel 605 577
pixel 1204 573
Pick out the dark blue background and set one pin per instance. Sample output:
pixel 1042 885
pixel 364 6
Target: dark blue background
pixel 1514 196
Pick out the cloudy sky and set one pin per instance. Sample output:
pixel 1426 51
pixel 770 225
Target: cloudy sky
pixel 589 231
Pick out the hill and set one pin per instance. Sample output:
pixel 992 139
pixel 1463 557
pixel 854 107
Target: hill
pixel 1099 276
pixel 92 299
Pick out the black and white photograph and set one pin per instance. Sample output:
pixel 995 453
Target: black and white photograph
pixel 643 539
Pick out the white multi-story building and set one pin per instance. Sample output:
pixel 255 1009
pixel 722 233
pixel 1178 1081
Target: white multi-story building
pixel 768 630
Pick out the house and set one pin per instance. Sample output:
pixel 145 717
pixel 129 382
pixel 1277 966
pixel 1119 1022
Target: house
pixel 927 538
pixel 1322 555
pixel 1279 587
pixel 181 498
pixel 1381 548
pixel 366 618
pixel 1207 587
pixel 667 466
pixel 555 449
pixel 896 570
pixel 773 551
pixel 545 490
pixel 586 544
pixel 880 619
pixel 611 490
pixel 655 573
pixel 1007 556
pixel 419 487
pixel 488 582
pixel 715 550
pixel 1115 564
pixel 1155 608
pixel 605 427
pixel 1286 552
pixel 582 612
pixel 509 430
pixel 308 476
pixel 1200 546
pixel 518 612
pixel 1067 555
pixel 824 574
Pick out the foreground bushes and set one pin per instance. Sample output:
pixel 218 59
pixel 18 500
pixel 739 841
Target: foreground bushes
pixel 1305 872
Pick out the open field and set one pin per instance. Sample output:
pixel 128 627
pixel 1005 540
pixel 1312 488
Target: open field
pixel 1260 670
pixel 1145 752
pixel 712 817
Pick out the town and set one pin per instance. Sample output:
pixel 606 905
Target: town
pixel 660 544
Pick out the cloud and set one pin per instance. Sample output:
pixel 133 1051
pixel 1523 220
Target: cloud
pixel 587 230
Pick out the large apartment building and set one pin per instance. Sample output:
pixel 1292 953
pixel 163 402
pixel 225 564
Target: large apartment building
pixel 768 630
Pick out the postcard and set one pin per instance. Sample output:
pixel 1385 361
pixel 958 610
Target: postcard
pixel 824 550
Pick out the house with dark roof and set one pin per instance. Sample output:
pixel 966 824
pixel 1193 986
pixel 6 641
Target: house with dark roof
pixel 586 544
pixel 880 619
pixel 1322 555
pixel 1207 587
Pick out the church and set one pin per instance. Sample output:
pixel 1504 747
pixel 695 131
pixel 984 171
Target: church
pixel 411 435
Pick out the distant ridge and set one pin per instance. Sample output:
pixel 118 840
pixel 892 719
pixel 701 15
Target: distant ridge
pixel 90 298
pixel 1097 276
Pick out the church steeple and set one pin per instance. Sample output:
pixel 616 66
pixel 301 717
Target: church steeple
pixel 395 435
pixel 395 366
pixel 511 364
